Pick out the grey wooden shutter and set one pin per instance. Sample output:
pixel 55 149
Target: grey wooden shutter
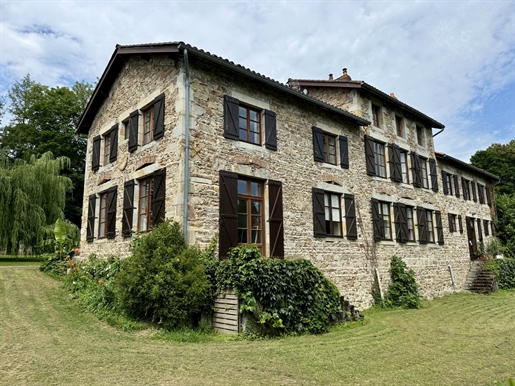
pixel 228 212
pixel 159 116
pixel 465 188
pixel 344 151
pixel 113 150
pixel 439 227
pixel 111 212
pixel 450 217
pixel 95 159
pixel 318 144
pixel 474 194
pixel 433 174
pixel 394 158
pixel 350 217
pixel 456 185
pixel 90 228
pixel 460 224
pixel 133 131
pixel 417 170
pixel 444 182
pixel 479 230
pixel 128 208
pixel 376 220
pixel 369 155
pixel 422 226
pixel 231 117
pixel 488 197
pixel 158 197
pixel 275 204
pixel 270 130
pixel 318 213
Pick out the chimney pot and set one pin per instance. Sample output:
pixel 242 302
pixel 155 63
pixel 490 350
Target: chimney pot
pixel 345 76
pixel 393 95
pixel 330 76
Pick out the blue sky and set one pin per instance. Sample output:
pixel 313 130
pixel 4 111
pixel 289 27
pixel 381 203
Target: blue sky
pixel 452 60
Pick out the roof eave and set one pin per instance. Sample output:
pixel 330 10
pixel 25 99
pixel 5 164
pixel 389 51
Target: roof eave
pixel 466 165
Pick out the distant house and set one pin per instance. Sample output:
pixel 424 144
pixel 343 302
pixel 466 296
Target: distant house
pixel 333 171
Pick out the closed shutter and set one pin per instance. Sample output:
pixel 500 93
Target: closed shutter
pixel 128 208
pixel 159 116
pixel 444 182
pixel 228 212
pixel 275 194
pixel 422 226
pixel 113 150
pixel 95 159
pixel 417 170
pixel 480 190
pixel 231 117
pixel 456 186
pixel 111 212
pixel 318 144
pixel 492 228
pixel 479 230
pixel 90 228
pixel 350 217
pixel 133 131
pixel 488 197
pixel 158 197
pixel 394 158
pixel 344 151
pixel 376 220
pixel 318 213
pixel 433 174
pixel 485 225
pixel 474 194
pixel 460 224
pixel 450 217
pixel 270 130
pixel 401 223
pixel 370 157
pixel 439 227
pixel 465 189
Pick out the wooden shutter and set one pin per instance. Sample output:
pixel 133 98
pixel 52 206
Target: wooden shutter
pixel 439 226
pixel 275 204
pixel 481 192
pixel 159 116
pixel 492 227
pixel 465 190
pixel 350 217
pixel 474 194
pixel 479 230
pixel 376 220
pixel 270 130
pixel 417 170
pixel 433 174
pixel 158 197
pixel 95 159
pixel 488 197
pixel 111 212
pixel 422 226
pixel 231 117
pixel 394 158
pixel 128 208
pixel 318 144
pixel 113 150
pixel 344 151
pixel 401 223
pixel 485 225
pixel 450 217
pixel 133 131
pixel 456 185
pixel 444 182
pixel 370 157
pixel 90 228
pixel 318 213
pixel 460 224
pixel 228 212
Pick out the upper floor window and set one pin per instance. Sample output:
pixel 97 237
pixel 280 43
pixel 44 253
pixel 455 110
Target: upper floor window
pixel 423 171
pixel 249 125
pixel 107 148
pixel 481 192
pixel 333 214
pixel 420 135
pixel 326 147
pixel 376 115
pixel 466 188
pixel 419 167
pixel 152 121
pixel 151 201
pixel 375 157
pixel 399 125
pixel 330 148
pixel 381 220
pixel 448 188
pixel 398 159
pixel 403 155
pixel 148 125
pixel 452 222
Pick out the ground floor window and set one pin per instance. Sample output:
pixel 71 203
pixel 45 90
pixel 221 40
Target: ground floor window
pixel 250 212
pixel 145 204
pixel 381 220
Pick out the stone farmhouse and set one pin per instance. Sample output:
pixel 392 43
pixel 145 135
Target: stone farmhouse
pixel 334 171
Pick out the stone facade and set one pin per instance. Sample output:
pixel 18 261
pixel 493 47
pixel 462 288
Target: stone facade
pixel 350 263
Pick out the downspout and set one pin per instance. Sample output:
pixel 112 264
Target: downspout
pixel 434 135
pixel 186 144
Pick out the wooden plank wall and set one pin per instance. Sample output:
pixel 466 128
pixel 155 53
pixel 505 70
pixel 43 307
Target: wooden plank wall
pixel 226 317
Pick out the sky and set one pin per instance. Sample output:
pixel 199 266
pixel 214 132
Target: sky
pixel 452 60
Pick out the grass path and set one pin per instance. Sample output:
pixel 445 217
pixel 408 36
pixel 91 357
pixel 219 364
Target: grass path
pixel 45 339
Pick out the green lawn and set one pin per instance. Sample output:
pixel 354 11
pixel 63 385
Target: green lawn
pixel 20 260
pixel 45 339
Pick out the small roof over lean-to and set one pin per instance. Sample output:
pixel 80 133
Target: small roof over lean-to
pixel 121 54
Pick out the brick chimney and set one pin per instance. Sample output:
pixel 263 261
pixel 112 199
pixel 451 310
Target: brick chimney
pixel 345 76
pixel 331 77
pixel 393 95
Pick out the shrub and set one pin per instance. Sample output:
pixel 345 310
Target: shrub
pixel 504 270
pixel 53 265
pixel 403 289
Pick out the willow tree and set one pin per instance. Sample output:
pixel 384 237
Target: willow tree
pixel 32 197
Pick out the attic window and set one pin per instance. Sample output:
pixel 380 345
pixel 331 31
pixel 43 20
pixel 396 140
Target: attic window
pixel 376 115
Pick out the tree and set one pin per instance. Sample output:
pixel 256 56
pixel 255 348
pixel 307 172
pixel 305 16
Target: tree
pixel 32 197
pixel 506 221
pixel 43 120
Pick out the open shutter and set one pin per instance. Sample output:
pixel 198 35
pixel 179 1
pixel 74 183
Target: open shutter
pixel 456 185
pixel 228 212
pixel 394 159
pixel 128 208
pixel 481 193
pixel 485 225
pixel 465 190
pixel 444 183
pixel 270 130
pixel 95 159
pixel 318 144
pixel 90 228
pixel 417 170
pixel 350 217
pixel 370 157
pixel 474 194
pixel 479 230
pixel 376 220
pixel 158 197
pixel 460 224
pixel 231 117
pixel 433 174
pixel 275 204
pixel 439 226
pixel 318 213
pixel 422 226
pixel 113 150
pixel 344 151
pixel 450 217
pixel 488 197
pixel 396 221
pixel 111 212
pixel 159 116
pixel 133 131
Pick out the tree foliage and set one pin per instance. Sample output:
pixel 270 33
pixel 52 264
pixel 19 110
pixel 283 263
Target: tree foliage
pixel 506 221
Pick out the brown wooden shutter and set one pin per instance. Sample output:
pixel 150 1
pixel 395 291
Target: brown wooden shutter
pixel 444 183
pixel 344 151
pixel 376 220
pixel 270 130
pixel 479 230
pixel 465 188
pixel 318 213
pixel 159 116
pixel 113 150
pixel 394 158
pixel 111 212
pixel 95 159
pixel 369 155
pixel 416 170
pixel 422 226
pixel 433 174
pixel 439 227
pixel 133 131
pixel 231 117
pixel 350 217
pixel 450 217
pixel 128 208
pixel 485 225
pixel 158 197
pixel 456 185
pixel 401 223
pixel 228 212
pixel 90 228
pixel 318 144
pixel 481 192
pixel 460 224
pixel 275 195
pixel 488 197
pixel 474 194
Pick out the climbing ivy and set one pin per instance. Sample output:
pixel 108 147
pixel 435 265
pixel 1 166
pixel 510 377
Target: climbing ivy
pixel 403 288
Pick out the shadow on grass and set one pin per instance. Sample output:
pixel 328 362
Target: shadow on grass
pixel 21 260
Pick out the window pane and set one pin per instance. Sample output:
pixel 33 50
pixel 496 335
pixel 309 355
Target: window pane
pixel 254 115
pixel 254 137
pixel 255 207
pixel 242 112
pixel 243 135
pixel 242 206
pixel 242 221
pixel 256 222
pixel 254 189
pixel 256 237
pixel 242 236
pixel 337 229
pixel 243 123
pixel 334 201
pixel 242 187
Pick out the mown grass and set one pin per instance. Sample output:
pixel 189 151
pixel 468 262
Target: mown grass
pixel 6 260
pixel 46 339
